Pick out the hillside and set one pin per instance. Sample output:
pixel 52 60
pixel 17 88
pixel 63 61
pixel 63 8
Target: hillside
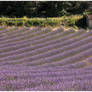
pixel 45 59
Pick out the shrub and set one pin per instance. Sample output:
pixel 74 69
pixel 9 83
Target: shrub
pixel 65 20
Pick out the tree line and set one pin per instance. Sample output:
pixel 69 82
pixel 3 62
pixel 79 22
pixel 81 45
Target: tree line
pixel 42 8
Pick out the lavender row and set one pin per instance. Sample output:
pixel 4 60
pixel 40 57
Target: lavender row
pixel 19 36
pixel 82 64
pixel 59 36
pixel 16 43
pixel 15 31
pixel 75 39
pixel 10 30
pixel 34 52
pixel 50 75
pixel 25 43
pixel 3 30
pixel 52 58
pixel 10 34
pixel 42 80
pixel 51 53
pixel 6 31
pixel 53 42
pixel 70 60
pixel 25 32
pixel 17 39
pixel 46 74
pixel 57 57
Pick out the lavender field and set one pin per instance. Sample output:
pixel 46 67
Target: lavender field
pixel 36 59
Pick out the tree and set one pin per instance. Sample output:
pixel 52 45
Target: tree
pixel 41 8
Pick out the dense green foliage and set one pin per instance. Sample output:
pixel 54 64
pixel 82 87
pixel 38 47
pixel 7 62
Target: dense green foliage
pixel 73 21
pixel 67 13
pixel 42 8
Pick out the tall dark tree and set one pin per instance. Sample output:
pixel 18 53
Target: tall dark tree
pixel 41 8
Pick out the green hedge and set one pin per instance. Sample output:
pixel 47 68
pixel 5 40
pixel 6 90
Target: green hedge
pixel 65 20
